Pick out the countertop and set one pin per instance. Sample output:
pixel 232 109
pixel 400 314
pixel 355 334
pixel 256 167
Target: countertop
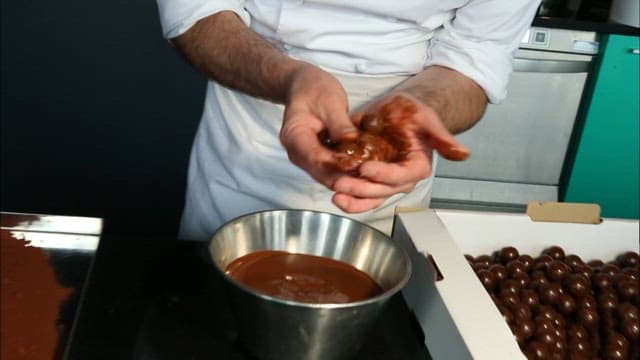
pixel 150 298
pixel 69 244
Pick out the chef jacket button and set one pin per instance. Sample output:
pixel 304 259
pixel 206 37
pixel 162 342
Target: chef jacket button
pixel 361 67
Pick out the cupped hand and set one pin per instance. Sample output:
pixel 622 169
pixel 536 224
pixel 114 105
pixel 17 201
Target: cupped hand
pixel 423 132
pixel 316 102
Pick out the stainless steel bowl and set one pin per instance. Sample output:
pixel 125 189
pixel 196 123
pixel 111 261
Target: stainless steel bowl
pixel 273 328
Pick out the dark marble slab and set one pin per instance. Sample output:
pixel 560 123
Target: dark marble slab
pixel 161 299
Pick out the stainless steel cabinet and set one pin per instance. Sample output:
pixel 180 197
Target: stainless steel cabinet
pixel 519 147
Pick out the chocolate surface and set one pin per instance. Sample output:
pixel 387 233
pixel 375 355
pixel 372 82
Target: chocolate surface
pixel 383 136
pixel 302 278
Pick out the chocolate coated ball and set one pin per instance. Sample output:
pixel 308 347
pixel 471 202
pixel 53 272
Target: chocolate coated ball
pixel 573 260
pixel 499 272
pixel 629 258
pixel 556 252
pixel 487 279
pixel 550 293
pixel 557 270
pixel 508 253
pixel 576 284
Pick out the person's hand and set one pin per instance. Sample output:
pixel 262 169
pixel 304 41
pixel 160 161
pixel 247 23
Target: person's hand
pixel 376 180
pixel 316 102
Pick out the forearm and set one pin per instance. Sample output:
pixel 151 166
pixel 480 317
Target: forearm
pixel 223 48
pixel 458 100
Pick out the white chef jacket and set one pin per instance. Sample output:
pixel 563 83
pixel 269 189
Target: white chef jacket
pixel 237 163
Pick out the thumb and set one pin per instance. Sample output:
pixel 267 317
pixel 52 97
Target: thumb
pixel 450 148
pixel 339 125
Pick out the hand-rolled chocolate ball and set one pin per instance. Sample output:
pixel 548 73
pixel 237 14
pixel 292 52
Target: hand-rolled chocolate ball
pixel 589 318
pixel 527 260
pixel 557 270
pixel 537 350
pixel 373 124
pixel 585 270
pixel 382 136
pixel 630 328
pixel 602 281
pixel 610 269
pixel 537 278
pixel 499 272
pixel 366 147
pixel 550 293
pixel 544 323
pixel 487 279
pixel 580 349
pixel 540 263
pixel 508 253
pixel 530 298
pixel 522 279
pixel 627 289
pixel 628 259
pixel 617 346
pixel 509 298
pixel 587 301
pixel 560 348
pixel 546 337
pixel 477 266
pixel 573 260
pixel 515 267
pixel 550 313
pixel 522 330
pixel 632 272
pixel 627 310
pixel 595 263
pixel 556 252
pixel 577 284
pixel 607 300
pixel 566 305
pixel 520 311
pixel 509 286
pixel 484 260
pixel 577 331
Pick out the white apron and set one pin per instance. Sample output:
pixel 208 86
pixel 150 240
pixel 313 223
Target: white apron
pixel 238 164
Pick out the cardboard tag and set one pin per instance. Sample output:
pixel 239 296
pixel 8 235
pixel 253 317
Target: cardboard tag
pixel 564 212
pixel 406 209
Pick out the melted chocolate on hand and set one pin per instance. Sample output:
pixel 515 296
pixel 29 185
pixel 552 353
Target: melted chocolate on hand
pixel 382 136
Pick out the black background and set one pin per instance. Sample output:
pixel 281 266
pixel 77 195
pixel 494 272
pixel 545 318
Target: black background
pixel 98 113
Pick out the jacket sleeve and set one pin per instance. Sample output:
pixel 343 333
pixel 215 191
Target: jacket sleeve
pixel 480 41
pixel 177 16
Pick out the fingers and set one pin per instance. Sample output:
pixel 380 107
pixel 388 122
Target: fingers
pixel 436 136
pixel 381 179
pixel 449 148
pixel 350 204
pixel 415 167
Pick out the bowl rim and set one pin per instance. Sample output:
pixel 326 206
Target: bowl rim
pixel 380 298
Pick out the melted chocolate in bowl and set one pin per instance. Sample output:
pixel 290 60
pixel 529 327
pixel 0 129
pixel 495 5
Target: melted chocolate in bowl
pixel 303 278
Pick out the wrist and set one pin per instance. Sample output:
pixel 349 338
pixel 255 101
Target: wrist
pixel 298 75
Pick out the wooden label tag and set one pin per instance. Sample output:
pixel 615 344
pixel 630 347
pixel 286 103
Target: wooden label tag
pixel 564 212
